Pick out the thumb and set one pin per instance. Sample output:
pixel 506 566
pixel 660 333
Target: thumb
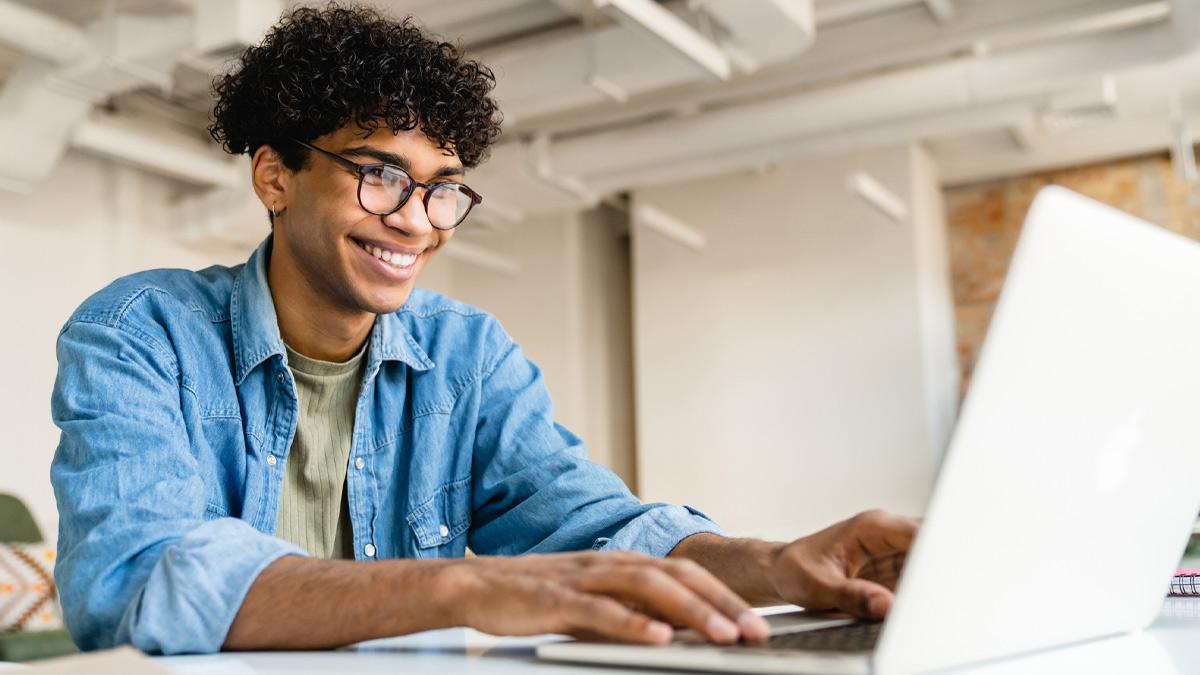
pixel 864 599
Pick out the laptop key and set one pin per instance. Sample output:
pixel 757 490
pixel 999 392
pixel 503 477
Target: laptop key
pixel 858 637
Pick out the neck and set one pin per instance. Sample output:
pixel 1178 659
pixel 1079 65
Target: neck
pixel 308 321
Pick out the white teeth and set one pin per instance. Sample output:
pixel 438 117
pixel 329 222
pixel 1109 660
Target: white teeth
pixel 390 257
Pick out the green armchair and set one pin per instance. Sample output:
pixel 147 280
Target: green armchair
pixel 17 526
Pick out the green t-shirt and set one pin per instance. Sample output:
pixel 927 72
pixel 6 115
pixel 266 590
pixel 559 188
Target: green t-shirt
pixel 313 509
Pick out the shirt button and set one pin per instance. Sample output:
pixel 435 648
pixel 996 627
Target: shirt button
pixel 369 550
pixel 359 463
pixel 444 531
pixel 271 460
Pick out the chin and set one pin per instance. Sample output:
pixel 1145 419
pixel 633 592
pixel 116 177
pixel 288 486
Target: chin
pixel 385 303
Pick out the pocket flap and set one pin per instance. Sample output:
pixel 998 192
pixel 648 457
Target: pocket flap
pixel 443 516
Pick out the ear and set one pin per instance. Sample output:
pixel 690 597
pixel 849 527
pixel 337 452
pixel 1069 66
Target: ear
pixel 270 178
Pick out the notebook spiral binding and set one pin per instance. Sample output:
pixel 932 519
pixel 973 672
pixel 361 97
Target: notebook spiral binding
pixel 1185 583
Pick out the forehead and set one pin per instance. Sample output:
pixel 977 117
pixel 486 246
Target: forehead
pixel 412 144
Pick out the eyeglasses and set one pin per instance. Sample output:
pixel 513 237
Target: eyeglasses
pixel 384 189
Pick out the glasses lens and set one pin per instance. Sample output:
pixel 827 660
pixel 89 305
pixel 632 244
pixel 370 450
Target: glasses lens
pixel 383 187
pixel 447 205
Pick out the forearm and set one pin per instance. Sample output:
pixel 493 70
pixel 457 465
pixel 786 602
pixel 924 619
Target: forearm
pixel 741 564
pixel 303 603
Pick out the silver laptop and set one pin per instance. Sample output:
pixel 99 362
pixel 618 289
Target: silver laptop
pixel 1070 485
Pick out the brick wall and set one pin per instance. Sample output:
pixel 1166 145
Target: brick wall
pixel 985 219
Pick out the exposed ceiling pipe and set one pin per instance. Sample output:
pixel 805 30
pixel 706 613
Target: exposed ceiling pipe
pixel 36 117
pixel 602 65
pixel 944 11
pixel 953 85
pixel 172 154
pixel 650 18
pixel 850 10
pixel 41 35
pixel 761 37
pixel 964 95
pixel 859 49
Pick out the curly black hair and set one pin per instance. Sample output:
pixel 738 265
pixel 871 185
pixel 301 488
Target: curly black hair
pixel 320 69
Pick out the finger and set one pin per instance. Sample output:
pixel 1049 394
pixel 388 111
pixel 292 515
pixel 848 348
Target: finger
pixel 665 596
pixel 702 582
pixel 589 616
pixel 863 599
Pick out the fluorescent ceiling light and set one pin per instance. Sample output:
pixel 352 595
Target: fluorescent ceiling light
pixel 878 195
pixel 650 17
pixel 654 218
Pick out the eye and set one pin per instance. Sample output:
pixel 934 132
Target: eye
pixel 386 176
pixel 445 192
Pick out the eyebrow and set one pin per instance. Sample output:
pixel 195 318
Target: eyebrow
pixel 398 160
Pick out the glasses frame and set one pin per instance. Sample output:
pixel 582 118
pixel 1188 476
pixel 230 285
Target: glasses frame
pixel 361 171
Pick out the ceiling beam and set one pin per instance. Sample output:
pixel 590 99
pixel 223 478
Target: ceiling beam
pixel 944 11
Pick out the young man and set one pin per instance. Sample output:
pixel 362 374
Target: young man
pixel 296 452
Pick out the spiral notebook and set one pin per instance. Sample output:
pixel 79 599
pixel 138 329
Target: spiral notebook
pixel 1186 582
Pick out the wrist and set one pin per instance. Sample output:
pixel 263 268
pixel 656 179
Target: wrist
pixel 437 591
pixel 454 589
pixel 764 558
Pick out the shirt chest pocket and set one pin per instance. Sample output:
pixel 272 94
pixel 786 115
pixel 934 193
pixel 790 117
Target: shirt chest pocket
pixel 439 523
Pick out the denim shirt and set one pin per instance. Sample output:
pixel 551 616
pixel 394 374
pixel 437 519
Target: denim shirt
pixel 177 410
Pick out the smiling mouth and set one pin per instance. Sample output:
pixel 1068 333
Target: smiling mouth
pixel 394 258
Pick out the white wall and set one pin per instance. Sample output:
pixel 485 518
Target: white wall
pixel 781 371
pixel 91 222
pixel 569 310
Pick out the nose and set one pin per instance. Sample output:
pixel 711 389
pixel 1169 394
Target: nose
pixel 411 218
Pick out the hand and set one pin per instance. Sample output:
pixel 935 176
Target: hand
pixel 618 596
pixel 852 566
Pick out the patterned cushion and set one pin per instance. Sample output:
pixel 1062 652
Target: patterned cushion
pixel 28 598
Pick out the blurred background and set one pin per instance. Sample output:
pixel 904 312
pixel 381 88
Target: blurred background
pixel 754 244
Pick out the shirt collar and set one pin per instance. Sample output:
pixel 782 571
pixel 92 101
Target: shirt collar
pixel 256 327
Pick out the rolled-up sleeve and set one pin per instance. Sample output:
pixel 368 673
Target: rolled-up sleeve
pixel 139 562
pixel 534 489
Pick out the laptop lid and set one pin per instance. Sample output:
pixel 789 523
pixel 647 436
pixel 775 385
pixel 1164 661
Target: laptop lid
pixel 1073 476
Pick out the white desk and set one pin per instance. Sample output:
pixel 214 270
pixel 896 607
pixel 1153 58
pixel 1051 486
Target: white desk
pixel 1172 645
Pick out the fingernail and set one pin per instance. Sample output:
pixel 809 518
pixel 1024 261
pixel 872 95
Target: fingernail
pixel 877 605
pixel 753 626
pixel 721 629
pixel 659 632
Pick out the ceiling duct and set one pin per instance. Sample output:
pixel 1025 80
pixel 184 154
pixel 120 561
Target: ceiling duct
pixel 952 96
pixel 52 91
pixel 652 19
pixel 41 35
pixel 226 27
pixel 549 77
pixel 184 158
pixel 778 30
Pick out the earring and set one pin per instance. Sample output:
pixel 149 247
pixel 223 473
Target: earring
pixel 273 214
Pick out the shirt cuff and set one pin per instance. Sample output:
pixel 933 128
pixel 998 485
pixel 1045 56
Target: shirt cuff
pixel 196 589
pixel 658 530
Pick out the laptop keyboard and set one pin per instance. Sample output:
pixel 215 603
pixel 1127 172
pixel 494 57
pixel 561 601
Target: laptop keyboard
pixel 857 637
